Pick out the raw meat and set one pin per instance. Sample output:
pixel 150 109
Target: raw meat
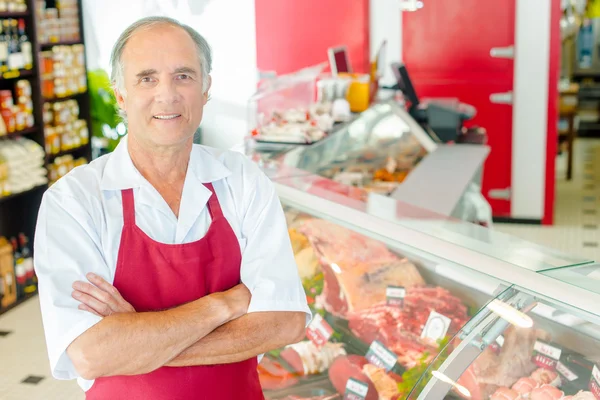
pixel 386 386
pixel 492 370
pixel 505 394
pixel 357 270
pixel 346 367
pixel 273 376
pixel 307 359
pixel 546 392
pixel 544 376
pixel 524 386
pixel 400 328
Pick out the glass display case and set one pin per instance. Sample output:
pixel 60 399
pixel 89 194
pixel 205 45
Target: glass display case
pixel 376 151
pixel 403 310
pixel 384 150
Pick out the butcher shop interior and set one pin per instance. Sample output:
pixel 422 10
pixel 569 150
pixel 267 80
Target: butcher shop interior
pixel 437 163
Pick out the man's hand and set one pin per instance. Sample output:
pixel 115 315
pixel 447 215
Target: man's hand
pixel 237 300
pixel 100 297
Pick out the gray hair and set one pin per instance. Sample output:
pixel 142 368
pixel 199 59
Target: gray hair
pixel 117 67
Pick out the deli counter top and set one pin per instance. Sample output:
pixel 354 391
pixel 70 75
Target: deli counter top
pixel 406 311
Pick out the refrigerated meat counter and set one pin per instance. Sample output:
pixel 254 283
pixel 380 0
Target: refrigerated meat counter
pixel 384 150
pixel 423 306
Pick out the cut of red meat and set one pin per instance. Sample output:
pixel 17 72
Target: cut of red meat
pixel 400 328
pixel 356 269
pixel 293 358
pixel 346 367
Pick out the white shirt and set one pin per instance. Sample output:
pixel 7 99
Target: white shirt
pixel 81 218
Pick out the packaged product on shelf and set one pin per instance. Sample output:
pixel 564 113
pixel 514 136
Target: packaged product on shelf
pixel 13 6
pixel 25 251
pixel 58 24
pixel 63 71
pixel 25 161
pixel 63 129
pixel 19 116
pixel 62 166
pixel 8 282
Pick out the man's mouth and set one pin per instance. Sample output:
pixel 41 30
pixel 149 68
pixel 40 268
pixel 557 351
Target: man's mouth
pixel 166 116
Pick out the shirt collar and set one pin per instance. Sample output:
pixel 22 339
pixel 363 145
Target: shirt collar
pixel 120 173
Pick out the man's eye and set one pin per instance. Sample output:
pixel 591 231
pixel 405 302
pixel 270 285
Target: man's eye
pixel 147 79
pixel 183 76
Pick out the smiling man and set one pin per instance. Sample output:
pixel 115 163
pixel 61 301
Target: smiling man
pixel 165 268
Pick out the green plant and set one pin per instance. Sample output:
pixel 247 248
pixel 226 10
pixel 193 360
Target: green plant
pixel 103 108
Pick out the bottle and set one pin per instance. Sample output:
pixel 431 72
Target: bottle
pixel 20 274
pixel 16 45
pixel 3 49
pixel 30 278
pixel 25 46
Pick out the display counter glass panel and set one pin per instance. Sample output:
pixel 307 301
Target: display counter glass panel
pixel 383 311
pixel 585 277
pixel 520 346
pixel 375 152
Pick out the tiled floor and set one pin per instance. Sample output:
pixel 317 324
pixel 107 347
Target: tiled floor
pixel 24 370
pixel 577 216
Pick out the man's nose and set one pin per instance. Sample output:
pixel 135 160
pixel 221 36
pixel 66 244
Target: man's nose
pixel 167 92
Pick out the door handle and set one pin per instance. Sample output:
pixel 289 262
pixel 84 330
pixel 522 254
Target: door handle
pixel 500 194
pixel 502 98
pixel 503 52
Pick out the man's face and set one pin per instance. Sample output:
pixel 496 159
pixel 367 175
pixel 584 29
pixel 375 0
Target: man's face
pixel 163 83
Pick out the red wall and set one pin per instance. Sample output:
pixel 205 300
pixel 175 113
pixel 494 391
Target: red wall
pixel 552 141
pixel 293 34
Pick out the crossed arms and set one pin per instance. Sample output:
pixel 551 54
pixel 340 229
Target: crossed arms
pixel 215 329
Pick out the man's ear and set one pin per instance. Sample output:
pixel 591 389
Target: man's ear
pixel 119 97
pixel 206 95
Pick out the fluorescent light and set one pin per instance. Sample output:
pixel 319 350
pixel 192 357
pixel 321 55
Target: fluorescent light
pixel 336 268
pixel 463 390
pixel 510 314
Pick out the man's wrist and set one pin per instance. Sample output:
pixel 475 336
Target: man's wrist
pixel 220 308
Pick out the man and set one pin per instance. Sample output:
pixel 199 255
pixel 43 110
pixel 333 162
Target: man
pixel 141 253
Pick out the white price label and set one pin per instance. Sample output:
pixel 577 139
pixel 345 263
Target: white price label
pixel 436 327
pixel 356 390
pixel 319 331
pixel 380 356
pixel 566 372
pixel 547 350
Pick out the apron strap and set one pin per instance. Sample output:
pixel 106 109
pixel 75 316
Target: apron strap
pixel 128 207
pixel 214 208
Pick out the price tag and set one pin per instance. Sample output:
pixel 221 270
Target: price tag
pixel 545 355
pixel 395 295
pixel 381 356
pixel 319 331
pixel 436 327
pixel 356 390
pixel 595 383
pixel 566 375
pixel 496 347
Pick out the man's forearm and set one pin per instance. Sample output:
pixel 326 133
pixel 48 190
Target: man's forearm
pixel 244 338
pixel 137 343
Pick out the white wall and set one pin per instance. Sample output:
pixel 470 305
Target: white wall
pixel 385 22
pixel 234 73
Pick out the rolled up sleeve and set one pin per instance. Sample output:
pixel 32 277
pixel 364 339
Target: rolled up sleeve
pixel 66 248
pixel 268 266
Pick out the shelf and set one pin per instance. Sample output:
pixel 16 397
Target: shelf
pixel 18 302
pixel 73 96
pixel 14 195
pixel 51 157
pixel 48 46
pixel 21 133
pixel 23 73
pixel 14 14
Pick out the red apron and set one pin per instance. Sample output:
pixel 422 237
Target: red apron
pixel 155 276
